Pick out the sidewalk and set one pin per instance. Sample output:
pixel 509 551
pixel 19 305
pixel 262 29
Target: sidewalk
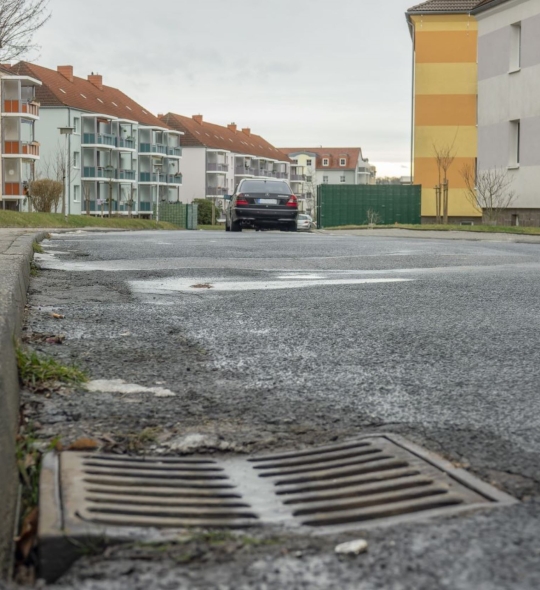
pixel 15 256
pixel 433 235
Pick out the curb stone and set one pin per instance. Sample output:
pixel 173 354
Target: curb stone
pixel 14 280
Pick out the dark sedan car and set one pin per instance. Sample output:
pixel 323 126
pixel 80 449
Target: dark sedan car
pixel 262 204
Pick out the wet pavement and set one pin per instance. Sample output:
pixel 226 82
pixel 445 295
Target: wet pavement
pixel 237 343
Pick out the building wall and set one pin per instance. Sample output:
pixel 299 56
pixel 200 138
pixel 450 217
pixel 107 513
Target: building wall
pixel 334 176
pixel 194 174
pixel 445 102
pixel 508 93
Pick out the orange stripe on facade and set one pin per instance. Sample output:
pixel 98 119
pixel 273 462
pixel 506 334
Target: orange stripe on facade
pixel 426 172
pixel 446 46
pixel 445 109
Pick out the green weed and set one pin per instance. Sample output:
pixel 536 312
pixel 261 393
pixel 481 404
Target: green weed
pixel 37 247
pixel 37 371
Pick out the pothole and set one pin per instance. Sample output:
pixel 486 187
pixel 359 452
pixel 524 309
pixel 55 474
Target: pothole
pixel 370 481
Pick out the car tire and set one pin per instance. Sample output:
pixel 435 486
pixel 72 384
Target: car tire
pixel 293 226
pixel 227 228
pixel 235 226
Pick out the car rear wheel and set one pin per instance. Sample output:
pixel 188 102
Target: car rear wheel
pixel 227 228
pixel 235 226
pixel 293 226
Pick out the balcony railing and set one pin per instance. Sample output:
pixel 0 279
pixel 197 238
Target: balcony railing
pixel 152 148
pixel 21 148
pixel 127 175
pixel 298 177
pixel 13 189
pixel 215 167
pixel 23 108
pixel 174 178
pixel 100 139
pixel 216 190
pixel 281 175
pixel 145 206
pixel 244 170
pixel 175 151
pixel 99 172
pixel 127 143
pixel 152 177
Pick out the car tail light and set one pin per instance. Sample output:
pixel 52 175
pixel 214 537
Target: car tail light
pixel 292 202
pixel 241 200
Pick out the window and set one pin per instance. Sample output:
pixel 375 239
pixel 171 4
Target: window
pixel 515 47
pixel 308 162
pixel 515 141
pixel 76 159
pixel 342 161
pixel 76 193
pixel 342 179
pixel 76 125
pixel 295 161
pixel 325 162
pixel 325 179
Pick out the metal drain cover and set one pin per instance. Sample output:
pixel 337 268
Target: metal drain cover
pixel 370 481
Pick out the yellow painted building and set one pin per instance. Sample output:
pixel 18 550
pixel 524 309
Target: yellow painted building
pixel 445 39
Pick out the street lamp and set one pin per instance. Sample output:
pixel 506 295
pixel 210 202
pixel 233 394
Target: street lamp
pixel 110 169
pixel 157 169
pixel 67 131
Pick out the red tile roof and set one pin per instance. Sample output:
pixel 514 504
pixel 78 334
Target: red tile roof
pixel 442 6
pixel 79 93
pixel 352 156
pixel 203 134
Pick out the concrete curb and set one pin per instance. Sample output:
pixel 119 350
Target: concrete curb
pixel 14 280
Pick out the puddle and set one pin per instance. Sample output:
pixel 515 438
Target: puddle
pixel 188 285
pixel 120 386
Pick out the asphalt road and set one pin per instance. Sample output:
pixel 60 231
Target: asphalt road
pixel 269 340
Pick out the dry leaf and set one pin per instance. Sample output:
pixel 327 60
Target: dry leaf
pixel 25 541
pixel 84 444
pixel 202 286
pixel 57 316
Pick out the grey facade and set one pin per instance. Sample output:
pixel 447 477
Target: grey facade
pixel 509 101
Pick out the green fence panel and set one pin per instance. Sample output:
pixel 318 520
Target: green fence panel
pixel 183 216
pixel 359 204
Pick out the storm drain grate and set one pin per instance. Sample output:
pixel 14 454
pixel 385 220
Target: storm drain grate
pixel 371 481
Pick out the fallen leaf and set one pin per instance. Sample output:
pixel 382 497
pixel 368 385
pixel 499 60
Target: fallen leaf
pixel 202 286
pixel 57 316
pixel 26 540
pixel 352 547
pixel 84 444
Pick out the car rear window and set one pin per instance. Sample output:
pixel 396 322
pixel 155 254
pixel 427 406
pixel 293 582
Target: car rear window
pixel 302 217
pixel 265 186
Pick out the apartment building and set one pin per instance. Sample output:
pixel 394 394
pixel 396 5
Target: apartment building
pixel 509 101
pixel 218 157
pixel 20 150
pixel 313 166
pixel 117 154
pixel 445 40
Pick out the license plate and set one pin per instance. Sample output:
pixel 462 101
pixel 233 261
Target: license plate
pixel 267 201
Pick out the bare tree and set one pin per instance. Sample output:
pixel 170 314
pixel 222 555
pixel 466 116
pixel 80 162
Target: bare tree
pixel 19 20
pixel 444 158
pixel 45 193
pixel 488 191
pixel 373 218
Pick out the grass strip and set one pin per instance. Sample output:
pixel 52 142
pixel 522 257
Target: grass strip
pixel 490 229
pixel 57 220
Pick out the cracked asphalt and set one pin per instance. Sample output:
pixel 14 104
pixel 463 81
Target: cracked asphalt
pixel 279 341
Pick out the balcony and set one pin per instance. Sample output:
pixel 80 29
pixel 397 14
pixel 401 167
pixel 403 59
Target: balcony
pixel 244 170
pixel 99 172
pixel 216 191
pixel 282 175
pixel 174 178
pixel 298 177
pixel 99 139
pixel 21 149
pixel 175 151
pixel 13 189
pixel 215 167
pixel 16 107
pixel 128 144
pixel 127 175
pixel 153 148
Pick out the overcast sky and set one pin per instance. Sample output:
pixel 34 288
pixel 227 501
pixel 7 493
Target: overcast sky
pixel 298 72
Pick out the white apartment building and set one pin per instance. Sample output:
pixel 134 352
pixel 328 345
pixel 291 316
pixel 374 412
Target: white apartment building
pixel 117 154
pixel 20 150
pixel 216 158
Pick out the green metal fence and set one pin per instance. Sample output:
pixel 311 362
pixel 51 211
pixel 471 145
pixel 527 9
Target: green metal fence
pixel 183 216
pixel 361 204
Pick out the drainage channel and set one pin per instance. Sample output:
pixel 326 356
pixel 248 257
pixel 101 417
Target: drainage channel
pixel 370 481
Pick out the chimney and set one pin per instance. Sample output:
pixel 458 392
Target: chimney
pixel 247 131
pixel 66 71
pixel 198 119
pixel 232 127
pixel 96 80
